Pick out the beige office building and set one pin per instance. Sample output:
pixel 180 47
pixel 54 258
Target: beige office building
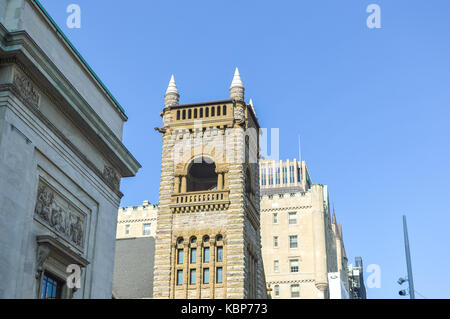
pixel 301 242
pixel 137 221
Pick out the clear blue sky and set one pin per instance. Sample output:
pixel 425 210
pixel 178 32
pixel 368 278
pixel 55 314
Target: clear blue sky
pixel 372 106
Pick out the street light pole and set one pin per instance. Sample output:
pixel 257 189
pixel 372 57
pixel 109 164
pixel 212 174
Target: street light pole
pixel 408 259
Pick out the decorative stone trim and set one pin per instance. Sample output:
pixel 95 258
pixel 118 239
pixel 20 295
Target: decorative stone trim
pixel 300 281
pixel 200 201
pixel 127 221
pixel 26 89
pixel 60 216
pixel 284 208
pixel 112 177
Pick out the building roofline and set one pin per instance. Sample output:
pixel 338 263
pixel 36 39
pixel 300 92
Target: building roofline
pixel 80 57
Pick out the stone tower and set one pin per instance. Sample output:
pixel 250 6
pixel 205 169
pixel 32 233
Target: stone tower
pixel 208 241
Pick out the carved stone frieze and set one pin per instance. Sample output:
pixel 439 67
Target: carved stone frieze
pixel 60 215
pixel 112 177
pixel 26 89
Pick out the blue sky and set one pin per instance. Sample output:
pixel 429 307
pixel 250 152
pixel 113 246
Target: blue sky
pixel 371 105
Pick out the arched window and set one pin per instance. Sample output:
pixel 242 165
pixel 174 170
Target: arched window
pixel 213 111
pixel 202 176
pixel 218 110
pixel 207 112
pixel 224 110
pixel 178 115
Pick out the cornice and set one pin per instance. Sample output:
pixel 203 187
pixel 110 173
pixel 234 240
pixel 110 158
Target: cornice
pixel 300 281
pixel 284 208
pixel 127 221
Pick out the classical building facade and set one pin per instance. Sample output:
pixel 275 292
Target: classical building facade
pixel 301 242
pixel 208 227
pixel 61 163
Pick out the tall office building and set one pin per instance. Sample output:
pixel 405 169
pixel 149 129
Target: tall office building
pixel 301 242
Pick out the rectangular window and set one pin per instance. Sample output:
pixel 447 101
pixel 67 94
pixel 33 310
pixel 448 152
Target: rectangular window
pixel 275 218
pixel 295 291
pixel 147 229
pixel 277 177
pixel 299 174
pixel 263 177
pixel 292 174
pixel 275 241
pixel 193 255
pixel 127 229
pixel 284 175
pixel 193 277
pixel 294 265
pixel 292 218
pixel 219 254
pixel 293 241
pixel 270 176
pixel 219 275
pixel 276 266
pixel 51 287
pixel 206 255
pixel 180 256
pixel 206 275
pixel 277 290
pixel 179 277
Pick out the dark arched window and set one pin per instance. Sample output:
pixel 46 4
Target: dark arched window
pixel 202 176
pixel 218 110
pixel 224 110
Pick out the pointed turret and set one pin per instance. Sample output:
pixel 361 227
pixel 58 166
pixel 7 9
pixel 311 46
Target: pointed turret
pixel 172 97
pixel 237 87
pixel 334 216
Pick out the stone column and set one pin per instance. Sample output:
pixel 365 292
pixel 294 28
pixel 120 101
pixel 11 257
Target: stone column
pixel 220 181
pixel 183 184
pixel 212 267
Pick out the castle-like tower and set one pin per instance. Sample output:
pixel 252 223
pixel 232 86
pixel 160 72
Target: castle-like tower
pixel 208 241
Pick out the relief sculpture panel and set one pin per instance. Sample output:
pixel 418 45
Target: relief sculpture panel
pixel 60 215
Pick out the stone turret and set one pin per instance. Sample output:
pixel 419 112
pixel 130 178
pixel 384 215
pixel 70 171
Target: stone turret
pixel 172 97
pixel 237 87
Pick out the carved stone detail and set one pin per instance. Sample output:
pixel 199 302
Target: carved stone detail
pixel 112 177
pixel 61 216
pixel 26 89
